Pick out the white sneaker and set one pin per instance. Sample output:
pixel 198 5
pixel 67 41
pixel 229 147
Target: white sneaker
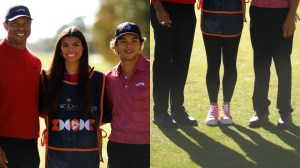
pixel 226 118
pixel 212 115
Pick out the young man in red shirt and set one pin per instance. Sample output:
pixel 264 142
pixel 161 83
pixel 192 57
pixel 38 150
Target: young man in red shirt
pixel 272 29
pixel 128 95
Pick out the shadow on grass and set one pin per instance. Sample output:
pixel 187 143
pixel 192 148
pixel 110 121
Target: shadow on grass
pixel 263 152
pixel 206 152
pixel 291 137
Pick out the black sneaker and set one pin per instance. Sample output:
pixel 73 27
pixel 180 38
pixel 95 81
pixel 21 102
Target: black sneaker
pixel 258 121
pixel 285 121
pixel 182 117
pixel 164 120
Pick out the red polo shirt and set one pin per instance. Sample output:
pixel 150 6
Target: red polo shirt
pixel 19 91
pixel 271 3
pixel 129 101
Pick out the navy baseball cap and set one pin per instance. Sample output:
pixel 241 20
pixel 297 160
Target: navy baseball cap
pixel 16 12
pixel 127 27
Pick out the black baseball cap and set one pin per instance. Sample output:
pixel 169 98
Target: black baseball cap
pixel 16 12
pixel 127 27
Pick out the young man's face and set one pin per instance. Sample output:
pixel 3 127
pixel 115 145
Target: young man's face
pixel 18 31
pixel 128 47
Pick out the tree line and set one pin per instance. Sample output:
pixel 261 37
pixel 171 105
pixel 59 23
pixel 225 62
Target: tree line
pixel 111 13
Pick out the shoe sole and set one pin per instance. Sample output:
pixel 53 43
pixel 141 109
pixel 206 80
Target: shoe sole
pixel 212 123
pixel 258 125
pixel 282 126
pixel 164 126
pixel 191 123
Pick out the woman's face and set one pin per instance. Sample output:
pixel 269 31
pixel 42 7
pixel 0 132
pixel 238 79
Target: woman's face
pixel 71 49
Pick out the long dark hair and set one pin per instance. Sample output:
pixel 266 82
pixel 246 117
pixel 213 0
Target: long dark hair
pixel 54 77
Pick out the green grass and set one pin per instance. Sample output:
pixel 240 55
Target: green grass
pixel 237 145
pixel 99 64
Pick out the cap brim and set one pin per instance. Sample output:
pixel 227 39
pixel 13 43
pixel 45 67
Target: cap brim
pixel 128 33
pixel 11 19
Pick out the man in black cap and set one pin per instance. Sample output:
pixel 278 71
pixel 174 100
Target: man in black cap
pixel 19 90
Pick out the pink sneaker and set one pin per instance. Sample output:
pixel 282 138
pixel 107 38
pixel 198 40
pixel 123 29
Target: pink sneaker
pixel 212 116
pixel 226 118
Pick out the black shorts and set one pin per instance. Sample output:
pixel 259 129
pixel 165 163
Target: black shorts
pixel 128 155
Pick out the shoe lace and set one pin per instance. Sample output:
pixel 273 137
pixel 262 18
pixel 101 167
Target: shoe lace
pixel 213 111
pixel 226 109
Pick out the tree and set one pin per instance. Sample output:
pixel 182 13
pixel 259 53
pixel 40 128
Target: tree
pixel 114 12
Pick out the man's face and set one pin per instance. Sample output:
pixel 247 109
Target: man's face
pixel 18 31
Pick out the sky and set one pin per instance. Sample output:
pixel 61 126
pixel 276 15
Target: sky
pixel 49 15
